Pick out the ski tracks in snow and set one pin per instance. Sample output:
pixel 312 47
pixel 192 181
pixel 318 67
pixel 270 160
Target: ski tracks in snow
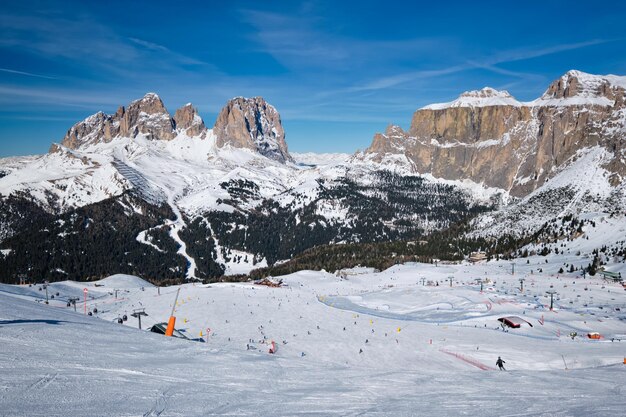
pixel 175 226
pixel 160 404
pixel 44 381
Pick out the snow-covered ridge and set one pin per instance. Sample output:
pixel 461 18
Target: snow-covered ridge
pixel 591 82
pixel 312 158
pixel 589 192
pixel 577 88
pixel 574 88
pixel 478 98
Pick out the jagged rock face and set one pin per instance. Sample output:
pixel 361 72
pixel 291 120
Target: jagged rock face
pixel 254 124
pixel 147 116
pixel 243 123
pixel 187 120
pixel 490 138
pixel 99 127
pixel 579 84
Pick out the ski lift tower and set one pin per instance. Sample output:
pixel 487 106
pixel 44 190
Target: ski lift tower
pixel 512 268
pixel 45 286
pixel 551 292
pixel 521 283
pixel 72 301
pixel 450 279
pixel 423 279
pixel 480 281
pixel 138 313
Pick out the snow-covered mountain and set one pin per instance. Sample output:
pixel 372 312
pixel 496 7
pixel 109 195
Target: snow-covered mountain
pixel 161 196
pixel 491 138
pixel 200 201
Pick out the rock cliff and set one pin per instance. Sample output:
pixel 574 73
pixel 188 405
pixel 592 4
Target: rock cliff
pixel 491 138
pixel 254 124
pixel 187 120
pixel 249 123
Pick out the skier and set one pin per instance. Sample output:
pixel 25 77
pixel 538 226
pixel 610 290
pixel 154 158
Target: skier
pixel 500 364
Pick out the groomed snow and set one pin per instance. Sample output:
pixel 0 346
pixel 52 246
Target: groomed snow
pixel 123 281
pixel 426 349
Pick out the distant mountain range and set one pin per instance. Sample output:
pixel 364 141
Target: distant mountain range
pixel 164 197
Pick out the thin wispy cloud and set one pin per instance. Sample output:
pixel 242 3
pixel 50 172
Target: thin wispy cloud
pixel 28 74
pixel 88 43
pixel 488 63
pixel 289 39
pixel 394 80
pixel 183 59
pixel 299 42
pixel 523 54
pixel 36 118
pixel 19 95
pixel 55 36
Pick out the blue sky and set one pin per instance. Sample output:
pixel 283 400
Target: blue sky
pixel 337 71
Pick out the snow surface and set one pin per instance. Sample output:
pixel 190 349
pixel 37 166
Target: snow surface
pixel 187 173
pixel 478 98
pixel 593 197
pixel 311 158
pixel 124 281
pixel 427 349
pixel 587 95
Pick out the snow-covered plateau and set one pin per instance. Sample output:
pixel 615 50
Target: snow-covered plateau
pixel 416 339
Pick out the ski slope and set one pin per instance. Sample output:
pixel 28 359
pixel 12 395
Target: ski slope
pixel 427 349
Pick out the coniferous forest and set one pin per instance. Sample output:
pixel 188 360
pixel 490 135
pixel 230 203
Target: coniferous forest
pixel 375 221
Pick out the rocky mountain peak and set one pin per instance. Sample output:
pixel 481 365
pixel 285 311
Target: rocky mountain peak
pixel 189 121
pixel 151 103
pixel 96 128
pixel 254 124
pixel 394 131
pixel 147 116
pixel 491 138
pixel 250 123
pixel 578 84
pixel 394 140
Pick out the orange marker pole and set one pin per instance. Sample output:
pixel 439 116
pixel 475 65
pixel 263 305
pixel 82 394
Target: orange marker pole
pixel 170 326
pixel 172 322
